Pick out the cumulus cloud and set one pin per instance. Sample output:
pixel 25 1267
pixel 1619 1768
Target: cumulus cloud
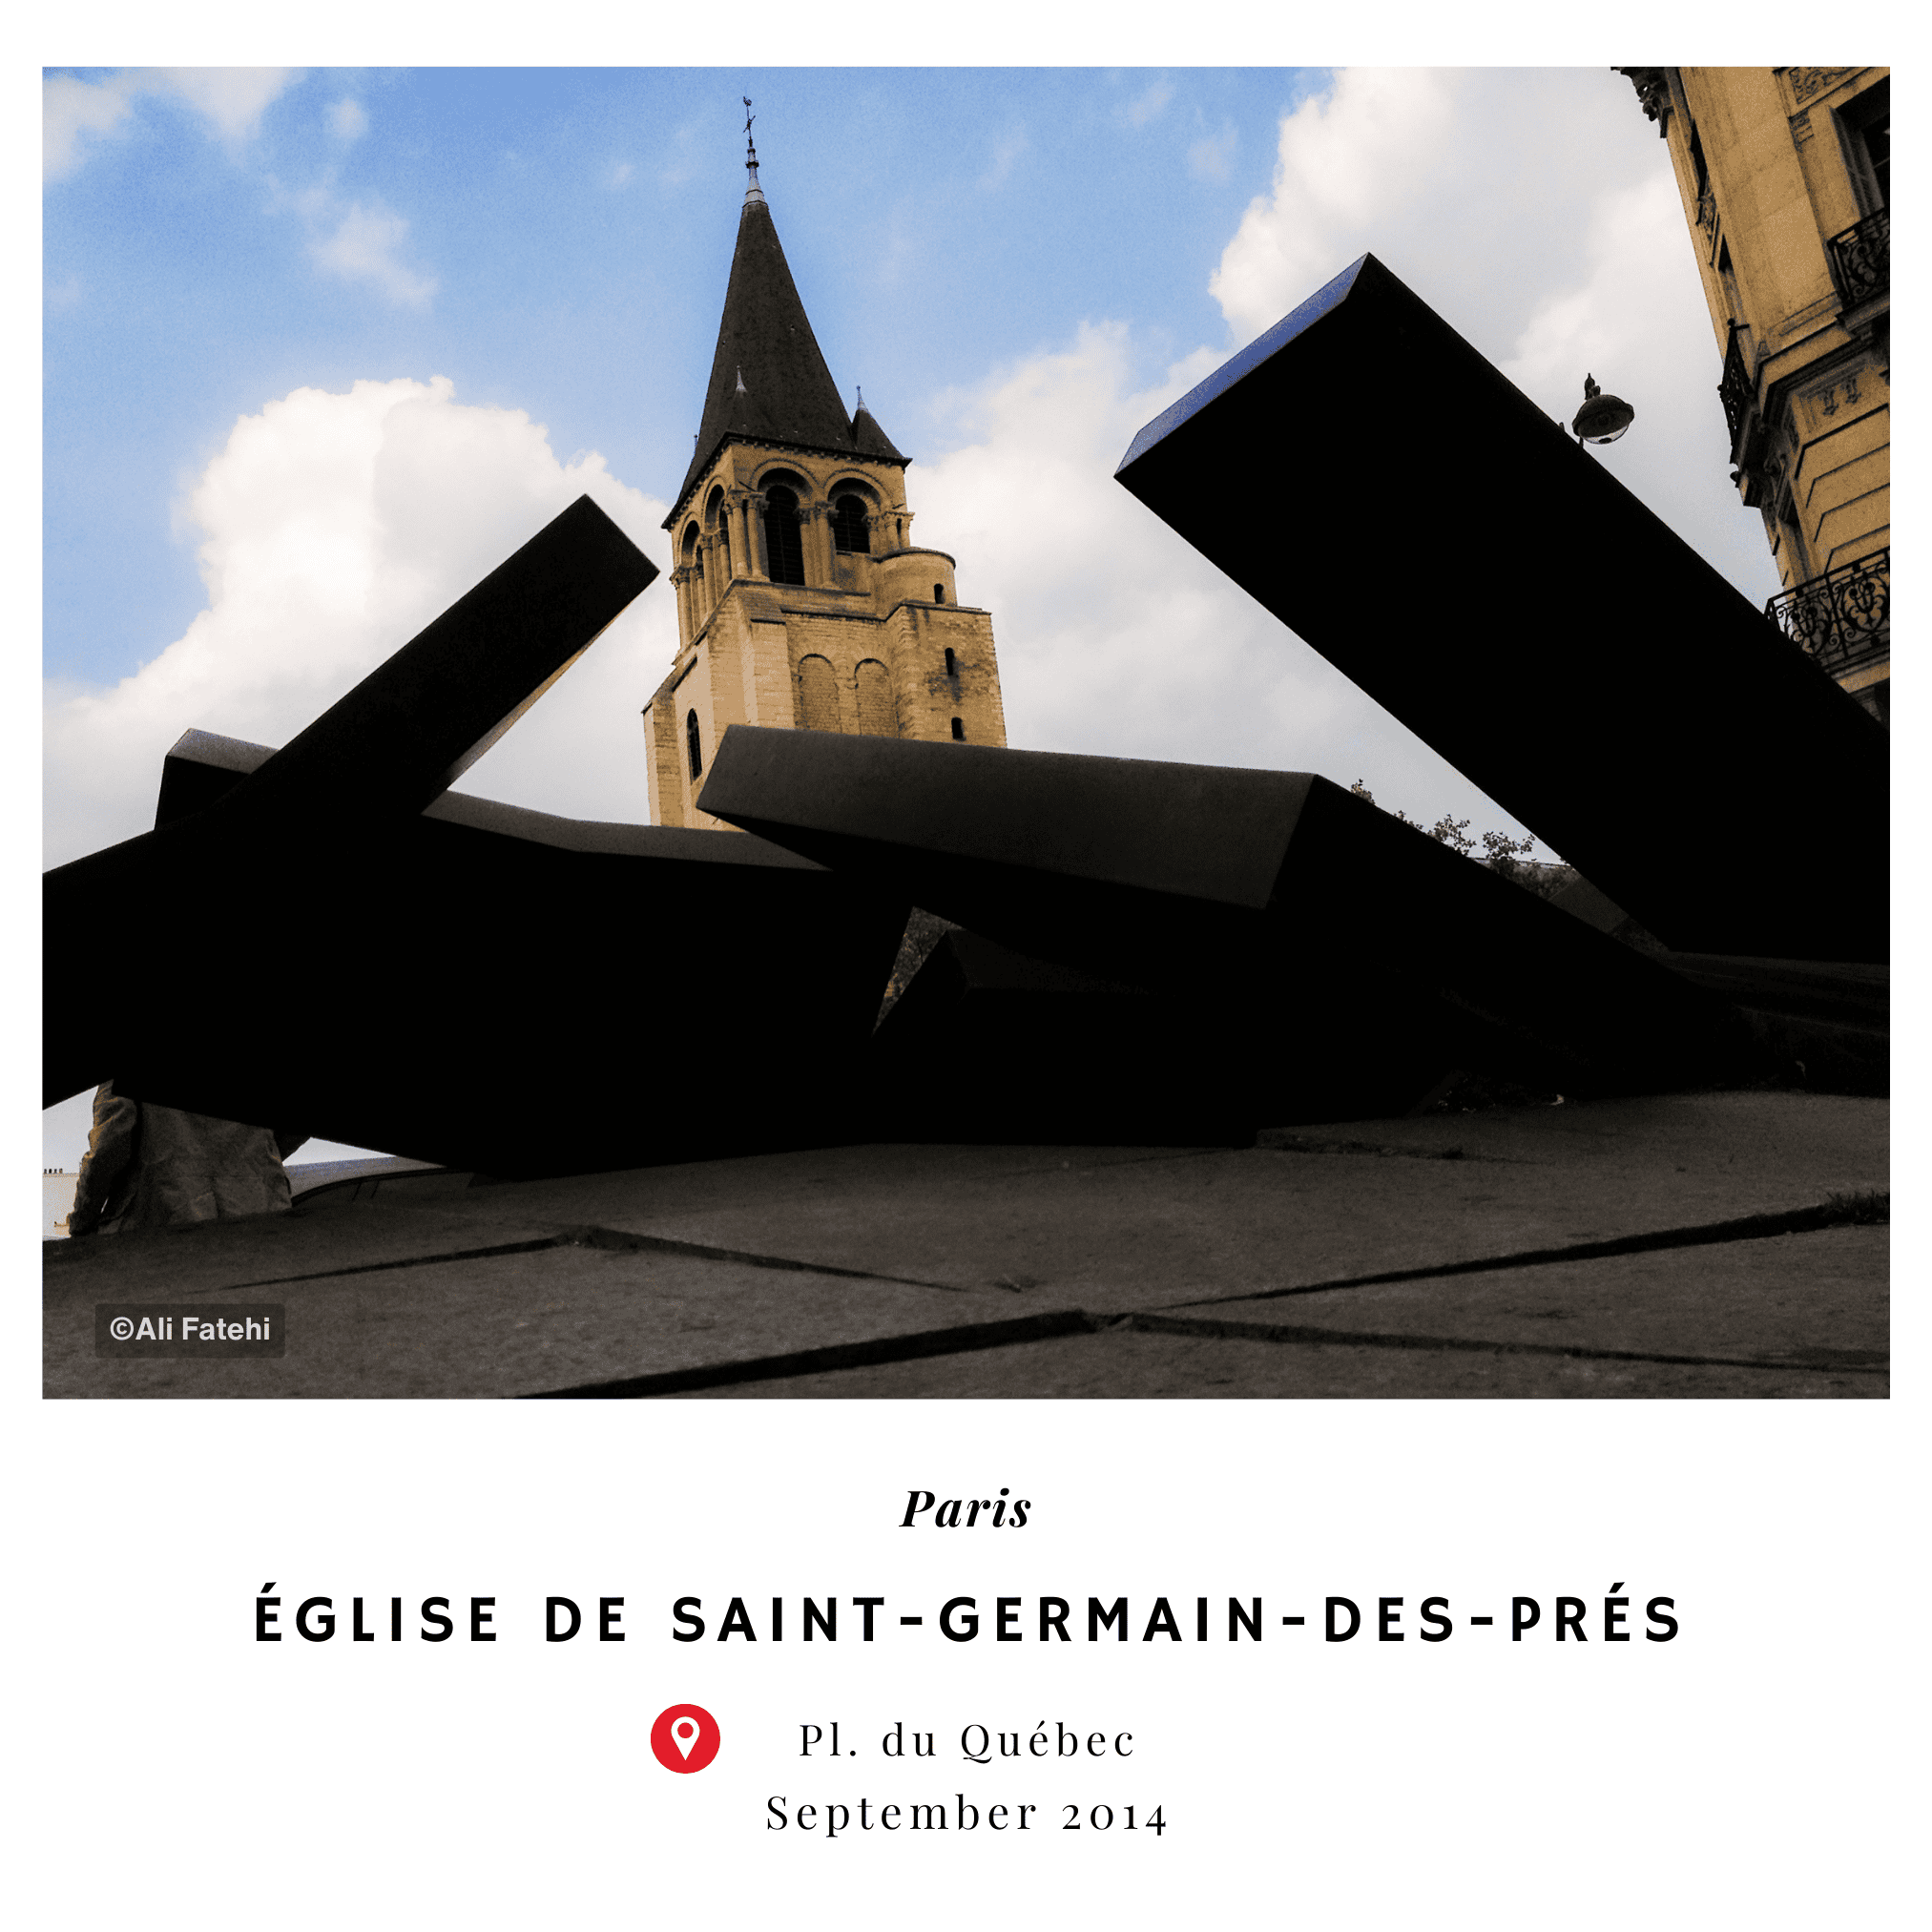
pixel 367 245
pixel 348 120
pixel 232 98
pixel 1114 635
pixel 78 114
pixel 1578 264
pixel 335 525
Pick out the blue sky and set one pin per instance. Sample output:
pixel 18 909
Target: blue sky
pixel 322 347
pixel 567 243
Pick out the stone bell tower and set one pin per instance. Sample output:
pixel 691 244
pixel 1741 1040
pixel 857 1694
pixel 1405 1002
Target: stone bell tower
pixel 801 598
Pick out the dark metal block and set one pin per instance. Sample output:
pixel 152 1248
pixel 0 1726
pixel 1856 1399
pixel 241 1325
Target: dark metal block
pixel 1534 622
pixel 987 1045
pixel 1332 957
pixel 324 937
pixel 495 989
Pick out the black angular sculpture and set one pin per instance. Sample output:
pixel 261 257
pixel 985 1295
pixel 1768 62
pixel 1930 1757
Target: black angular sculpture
pixel 987 1045
pixel 1530 618
pixel 324 937
pixel 1336 960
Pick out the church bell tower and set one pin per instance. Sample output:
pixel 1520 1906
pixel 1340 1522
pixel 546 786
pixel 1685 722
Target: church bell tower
pixel 801 598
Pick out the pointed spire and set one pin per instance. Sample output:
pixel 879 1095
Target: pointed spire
pixel 868 439
pixel 769 383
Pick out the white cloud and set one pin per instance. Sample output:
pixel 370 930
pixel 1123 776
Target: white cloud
pixel 72 108
pixel 231 99
pixel 620 173
pixel 348 120
pixel 1114 635
pixel 1535 211
pixel 365 246
pixel 335 526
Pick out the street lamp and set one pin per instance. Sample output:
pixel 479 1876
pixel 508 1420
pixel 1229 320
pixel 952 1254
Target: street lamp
pixel 1602 419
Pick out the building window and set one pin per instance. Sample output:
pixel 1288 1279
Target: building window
pixel 958 731
pixel 691 750
pixel 939 594
pixel 784 545
pixel 1867 122
pixel 951 665
pixel 693 558
pixel 850 531
pixel 715 513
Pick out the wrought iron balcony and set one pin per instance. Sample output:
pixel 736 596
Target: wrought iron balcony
pixel 1843 619
pixel 1736 388
pixel 1862 260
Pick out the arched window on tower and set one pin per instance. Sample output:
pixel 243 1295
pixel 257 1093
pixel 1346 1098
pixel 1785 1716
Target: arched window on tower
pixel 714 522
pixel 784 545
pixel 691 747
pixel 693 558
pixel 877 713
pixel 817 693
pixel 849 530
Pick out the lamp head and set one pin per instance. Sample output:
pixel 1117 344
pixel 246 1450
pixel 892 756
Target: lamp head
pixel 1602 419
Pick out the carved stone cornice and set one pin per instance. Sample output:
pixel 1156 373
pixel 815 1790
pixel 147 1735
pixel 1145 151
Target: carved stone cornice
pixel 1653 93
pixel 1807 83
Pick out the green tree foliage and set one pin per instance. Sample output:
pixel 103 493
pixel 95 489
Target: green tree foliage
pixel 1500 852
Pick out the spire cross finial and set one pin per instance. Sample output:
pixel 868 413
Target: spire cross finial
pixel 754 193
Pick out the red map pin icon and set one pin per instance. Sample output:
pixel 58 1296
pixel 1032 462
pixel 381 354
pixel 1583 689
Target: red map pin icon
pixel 685 1738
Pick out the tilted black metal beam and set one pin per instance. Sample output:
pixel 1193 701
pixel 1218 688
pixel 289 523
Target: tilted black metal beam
pixel 1452 550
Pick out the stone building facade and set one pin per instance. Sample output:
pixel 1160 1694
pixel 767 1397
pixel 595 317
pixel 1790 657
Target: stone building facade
pixel 802 600
pixel 1785 174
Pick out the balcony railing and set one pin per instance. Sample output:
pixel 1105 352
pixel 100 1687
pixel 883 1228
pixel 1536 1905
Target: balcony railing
pixel 1843 619
pixel 1736 388
pixel 1862 260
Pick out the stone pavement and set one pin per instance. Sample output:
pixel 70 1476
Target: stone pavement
pixel 1720 1244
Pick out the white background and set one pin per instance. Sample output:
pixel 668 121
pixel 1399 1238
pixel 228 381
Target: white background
pixel 1755 1771
pixel 1762 1770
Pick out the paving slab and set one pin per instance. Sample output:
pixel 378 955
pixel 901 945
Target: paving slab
pixel 418 1288
pixel 1128 1228
pixel 1819 1300
pixel 1125 1365
pixel 521 1325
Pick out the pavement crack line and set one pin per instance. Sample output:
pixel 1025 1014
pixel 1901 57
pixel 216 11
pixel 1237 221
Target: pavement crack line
pixel 1042 1327
pixel 1057 1324
pixel 1209 1328
pixel 617 1240
pixel 611 1240
pixel 1851 1210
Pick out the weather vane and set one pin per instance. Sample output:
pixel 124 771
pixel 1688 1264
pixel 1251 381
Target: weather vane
pixel 749 119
